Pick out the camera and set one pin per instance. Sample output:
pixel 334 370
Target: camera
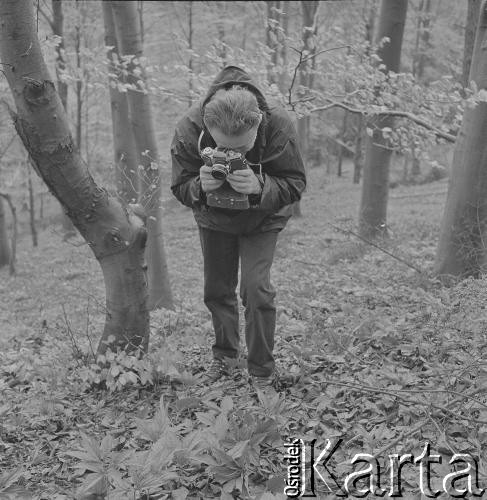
pixel 223 161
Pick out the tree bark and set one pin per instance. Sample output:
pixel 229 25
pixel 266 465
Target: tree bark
pixel 470 30
pixel 115 235
pixel 126 171
pixel 32 211
pixel 272 38
pixel 62 87
pixel 58 29
pixel 13 245
pixel 461 249
pixel 309 31
pixel 423 29
pixel 130 44
pixel 375 186
pixel 4 244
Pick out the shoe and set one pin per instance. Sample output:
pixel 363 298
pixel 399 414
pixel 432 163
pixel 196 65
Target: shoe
pixel 264 383
pixel 217 370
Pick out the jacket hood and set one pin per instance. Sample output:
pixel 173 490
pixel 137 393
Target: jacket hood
pixel 233 75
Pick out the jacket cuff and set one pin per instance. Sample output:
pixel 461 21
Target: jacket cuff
pixel 255 199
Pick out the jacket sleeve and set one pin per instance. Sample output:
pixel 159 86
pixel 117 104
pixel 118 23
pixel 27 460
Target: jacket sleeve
pixel 186 164
pixel 283 171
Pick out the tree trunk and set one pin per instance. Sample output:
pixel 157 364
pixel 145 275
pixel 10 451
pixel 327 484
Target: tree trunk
pixel 125 150
pixel 79 88
pixel 116 236
pixel 358 157
pixel 62 88
pixel 190 61
pixel 32 210
pixel 130 43
pixel 272 37
pixel 342 139
pixel 58 29
pixel 422 38
pixel 461 249
pixel 4 244
pixel 309 31
pixel 470 29
pixel 375 187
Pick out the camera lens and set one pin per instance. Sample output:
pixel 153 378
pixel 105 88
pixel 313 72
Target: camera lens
pixel 219 171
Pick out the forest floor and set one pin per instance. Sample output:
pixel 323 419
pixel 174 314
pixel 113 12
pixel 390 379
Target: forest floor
pixel 388 359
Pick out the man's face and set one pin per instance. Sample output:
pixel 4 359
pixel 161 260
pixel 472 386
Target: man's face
pixel 241 143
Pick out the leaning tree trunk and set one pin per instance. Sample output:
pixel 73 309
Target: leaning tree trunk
pixel 375 187
pixel 126 172
pixel 462 248
pixel 130 44
pixel 115 235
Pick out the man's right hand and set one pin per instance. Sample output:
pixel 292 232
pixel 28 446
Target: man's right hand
pixel 208 182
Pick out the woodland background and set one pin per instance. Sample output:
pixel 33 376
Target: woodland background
pixel 388 356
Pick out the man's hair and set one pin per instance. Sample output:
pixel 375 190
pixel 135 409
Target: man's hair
pixel 234 111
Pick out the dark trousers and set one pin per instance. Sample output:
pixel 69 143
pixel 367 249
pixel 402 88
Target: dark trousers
pixel 221 252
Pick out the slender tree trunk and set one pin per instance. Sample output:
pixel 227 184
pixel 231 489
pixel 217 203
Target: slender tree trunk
pixel 272 38
pixel 220 28
pixel 115 235
pixel 190 61
pixel 13 245
pixel 125 150
pixel 4 244
pixel 130 43
pixel 32 210
pixel 79 88
pixel 370 13
pixel 423 28
pixel 58 29
pixel 62 88
pixel 309 31
pixel 358 158
pixel 342 139
pixel 470 29
pixel 462 246
pixel 375 187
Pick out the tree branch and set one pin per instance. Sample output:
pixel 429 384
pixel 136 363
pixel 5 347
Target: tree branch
pixel 398 113
pixel 349 231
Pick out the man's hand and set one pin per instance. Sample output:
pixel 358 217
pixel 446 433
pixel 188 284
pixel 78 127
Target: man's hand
pixel 244 181
pixel 208 182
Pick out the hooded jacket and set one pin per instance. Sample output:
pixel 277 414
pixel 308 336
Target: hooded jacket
pixel 275 153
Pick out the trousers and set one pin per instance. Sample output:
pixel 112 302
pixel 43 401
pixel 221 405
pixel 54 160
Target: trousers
pixel 221 254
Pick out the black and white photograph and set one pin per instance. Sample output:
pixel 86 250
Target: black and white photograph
pixel 243 249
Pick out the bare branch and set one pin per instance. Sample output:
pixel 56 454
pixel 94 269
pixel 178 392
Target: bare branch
pixel 391 112
pixel 348 231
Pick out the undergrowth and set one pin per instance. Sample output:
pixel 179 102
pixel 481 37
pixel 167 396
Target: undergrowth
pixel 385 358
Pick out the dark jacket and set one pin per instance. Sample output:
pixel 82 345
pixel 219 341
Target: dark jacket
pixel 275 149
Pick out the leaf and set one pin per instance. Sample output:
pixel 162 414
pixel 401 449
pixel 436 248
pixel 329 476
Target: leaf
pixel 226 404
pixel 180 493
pixel 239 449
pixel 224 473
pixel 187 403
pixel 94 483
pixel 276 484
pixel 206 418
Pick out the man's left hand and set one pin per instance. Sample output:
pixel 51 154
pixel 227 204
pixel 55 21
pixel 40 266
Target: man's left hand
pixel 244 181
